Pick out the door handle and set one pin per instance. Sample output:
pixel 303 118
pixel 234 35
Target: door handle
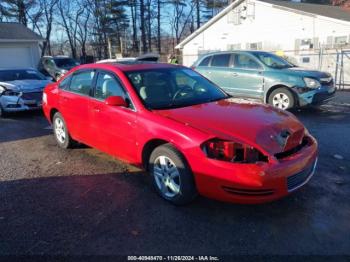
pixel 97 109
pixel 234 74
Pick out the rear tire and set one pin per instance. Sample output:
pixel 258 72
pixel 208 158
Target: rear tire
pixel 282 98
pixel 61 133
pixel 171 175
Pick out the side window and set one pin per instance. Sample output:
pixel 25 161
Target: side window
pixel 245 62
pixel 81 82
pixel 65 83
pixel 222 60
pixel 106 86
pixel 205 61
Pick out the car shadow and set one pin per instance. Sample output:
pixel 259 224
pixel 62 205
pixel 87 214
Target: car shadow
pixel 23 125
pixel 110 213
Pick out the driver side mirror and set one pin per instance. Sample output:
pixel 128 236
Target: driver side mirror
pixel 116 101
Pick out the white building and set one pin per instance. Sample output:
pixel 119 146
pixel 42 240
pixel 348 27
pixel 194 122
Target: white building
pixel 309 34
pixel 19 46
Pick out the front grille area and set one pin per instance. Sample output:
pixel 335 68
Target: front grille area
pixel 248 192
pixel 295 181
pixel 305 142
pixel 37 96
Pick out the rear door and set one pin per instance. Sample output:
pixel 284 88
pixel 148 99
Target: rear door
pixel 219 71
pixel 74 104
pixel 247 76
pixel 113 127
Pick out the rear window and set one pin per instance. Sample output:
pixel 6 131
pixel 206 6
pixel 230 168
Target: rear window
pixel 205 61
pixel 222 60
pixel 13 75
pixel 81 82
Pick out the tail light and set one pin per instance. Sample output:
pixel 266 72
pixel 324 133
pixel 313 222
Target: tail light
pixel 232 152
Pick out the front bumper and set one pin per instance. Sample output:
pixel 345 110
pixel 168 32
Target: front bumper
pixel 317 96
pixel 17 104
pixel 254 183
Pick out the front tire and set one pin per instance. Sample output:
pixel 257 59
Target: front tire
pixel 282 98
pixel 61 133
pixel 171 175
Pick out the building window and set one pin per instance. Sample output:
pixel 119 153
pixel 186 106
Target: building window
pixel 306 59
pixel 306 43
pixel 231 47
pixel 234 17
pixel 254 46
pixel 340 41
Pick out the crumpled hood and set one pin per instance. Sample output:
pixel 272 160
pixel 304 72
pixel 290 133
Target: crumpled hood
pixel 25 85
pixel 256 124
pixel 307 72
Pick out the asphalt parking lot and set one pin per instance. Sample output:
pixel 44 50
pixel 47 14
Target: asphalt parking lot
pixel 83 202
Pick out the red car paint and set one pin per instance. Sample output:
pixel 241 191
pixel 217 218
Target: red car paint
pixel 125 133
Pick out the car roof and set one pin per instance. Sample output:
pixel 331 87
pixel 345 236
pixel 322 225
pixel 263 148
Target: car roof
pixel 27 68
pixel 130 67
pixel 233 51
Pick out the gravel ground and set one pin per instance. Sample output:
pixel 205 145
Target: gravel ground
pixel 83 202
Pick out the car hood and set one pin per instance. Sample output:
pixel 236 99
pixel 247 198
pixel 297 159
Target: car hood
pixel 25 85
pixel 256 124
pixel 307 72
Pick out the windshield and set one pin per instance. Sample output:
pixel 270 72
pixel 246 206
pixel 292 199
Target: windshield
pixel 65 62
pixel 273 61
pixel 173 87
pixel 12 75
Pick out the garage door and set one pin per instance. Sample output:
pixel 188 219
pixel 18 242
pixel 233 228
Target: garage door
pixel 11 57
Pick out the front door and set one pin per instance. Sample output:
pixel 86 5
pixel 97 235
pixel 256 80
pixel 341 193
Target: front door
pixel 113 127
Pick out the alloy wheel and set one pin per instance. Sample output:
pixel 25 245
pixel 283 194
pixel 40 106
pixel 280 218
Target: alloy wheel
pixel 60 130
pixel 281 100
pixel 167 176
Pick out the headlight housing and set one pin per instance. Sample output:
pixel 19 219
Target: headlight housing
pixel 311 82
pixel 11 93
pixel 2 89
pixel 231 151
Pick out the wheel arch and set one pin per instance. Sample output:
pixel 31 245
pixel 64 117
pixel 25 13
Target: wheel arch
pixel 274 87
pixel 148 149
pixel 53 111
pixel 152 144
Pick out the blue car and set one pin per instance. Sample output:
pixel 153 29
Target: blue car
pixel 21 90
pixel 265 76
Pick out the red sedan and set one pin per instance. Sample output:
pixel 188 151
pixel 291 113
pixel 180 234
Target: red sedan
pixel 184 130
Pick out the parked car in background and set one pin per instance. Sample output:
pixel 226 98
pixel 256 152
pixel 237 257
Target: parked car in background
pixel 147 58
pixel 266 76
pixel 184 130
pixel 21 89
pixel 56 66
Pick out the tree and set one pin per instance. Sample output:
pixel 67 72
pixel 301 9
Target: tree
pixel 142 26
pixel 71 11
pixel 48 8
pixel 214 6
pixel 17 10
pixel 181 17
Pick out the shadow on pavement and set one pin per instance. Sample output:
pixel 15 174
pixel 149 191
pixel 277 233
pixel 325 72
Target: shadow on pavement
pixel 23 125
pixel 119 213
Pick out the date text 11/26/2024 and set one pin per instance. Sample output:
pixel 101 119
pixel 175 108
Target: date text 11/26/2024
pixel 173 258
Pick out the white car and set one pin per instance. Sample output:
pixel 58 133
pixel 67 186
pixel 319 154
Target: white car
pixel 21 89
pixel 131 60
